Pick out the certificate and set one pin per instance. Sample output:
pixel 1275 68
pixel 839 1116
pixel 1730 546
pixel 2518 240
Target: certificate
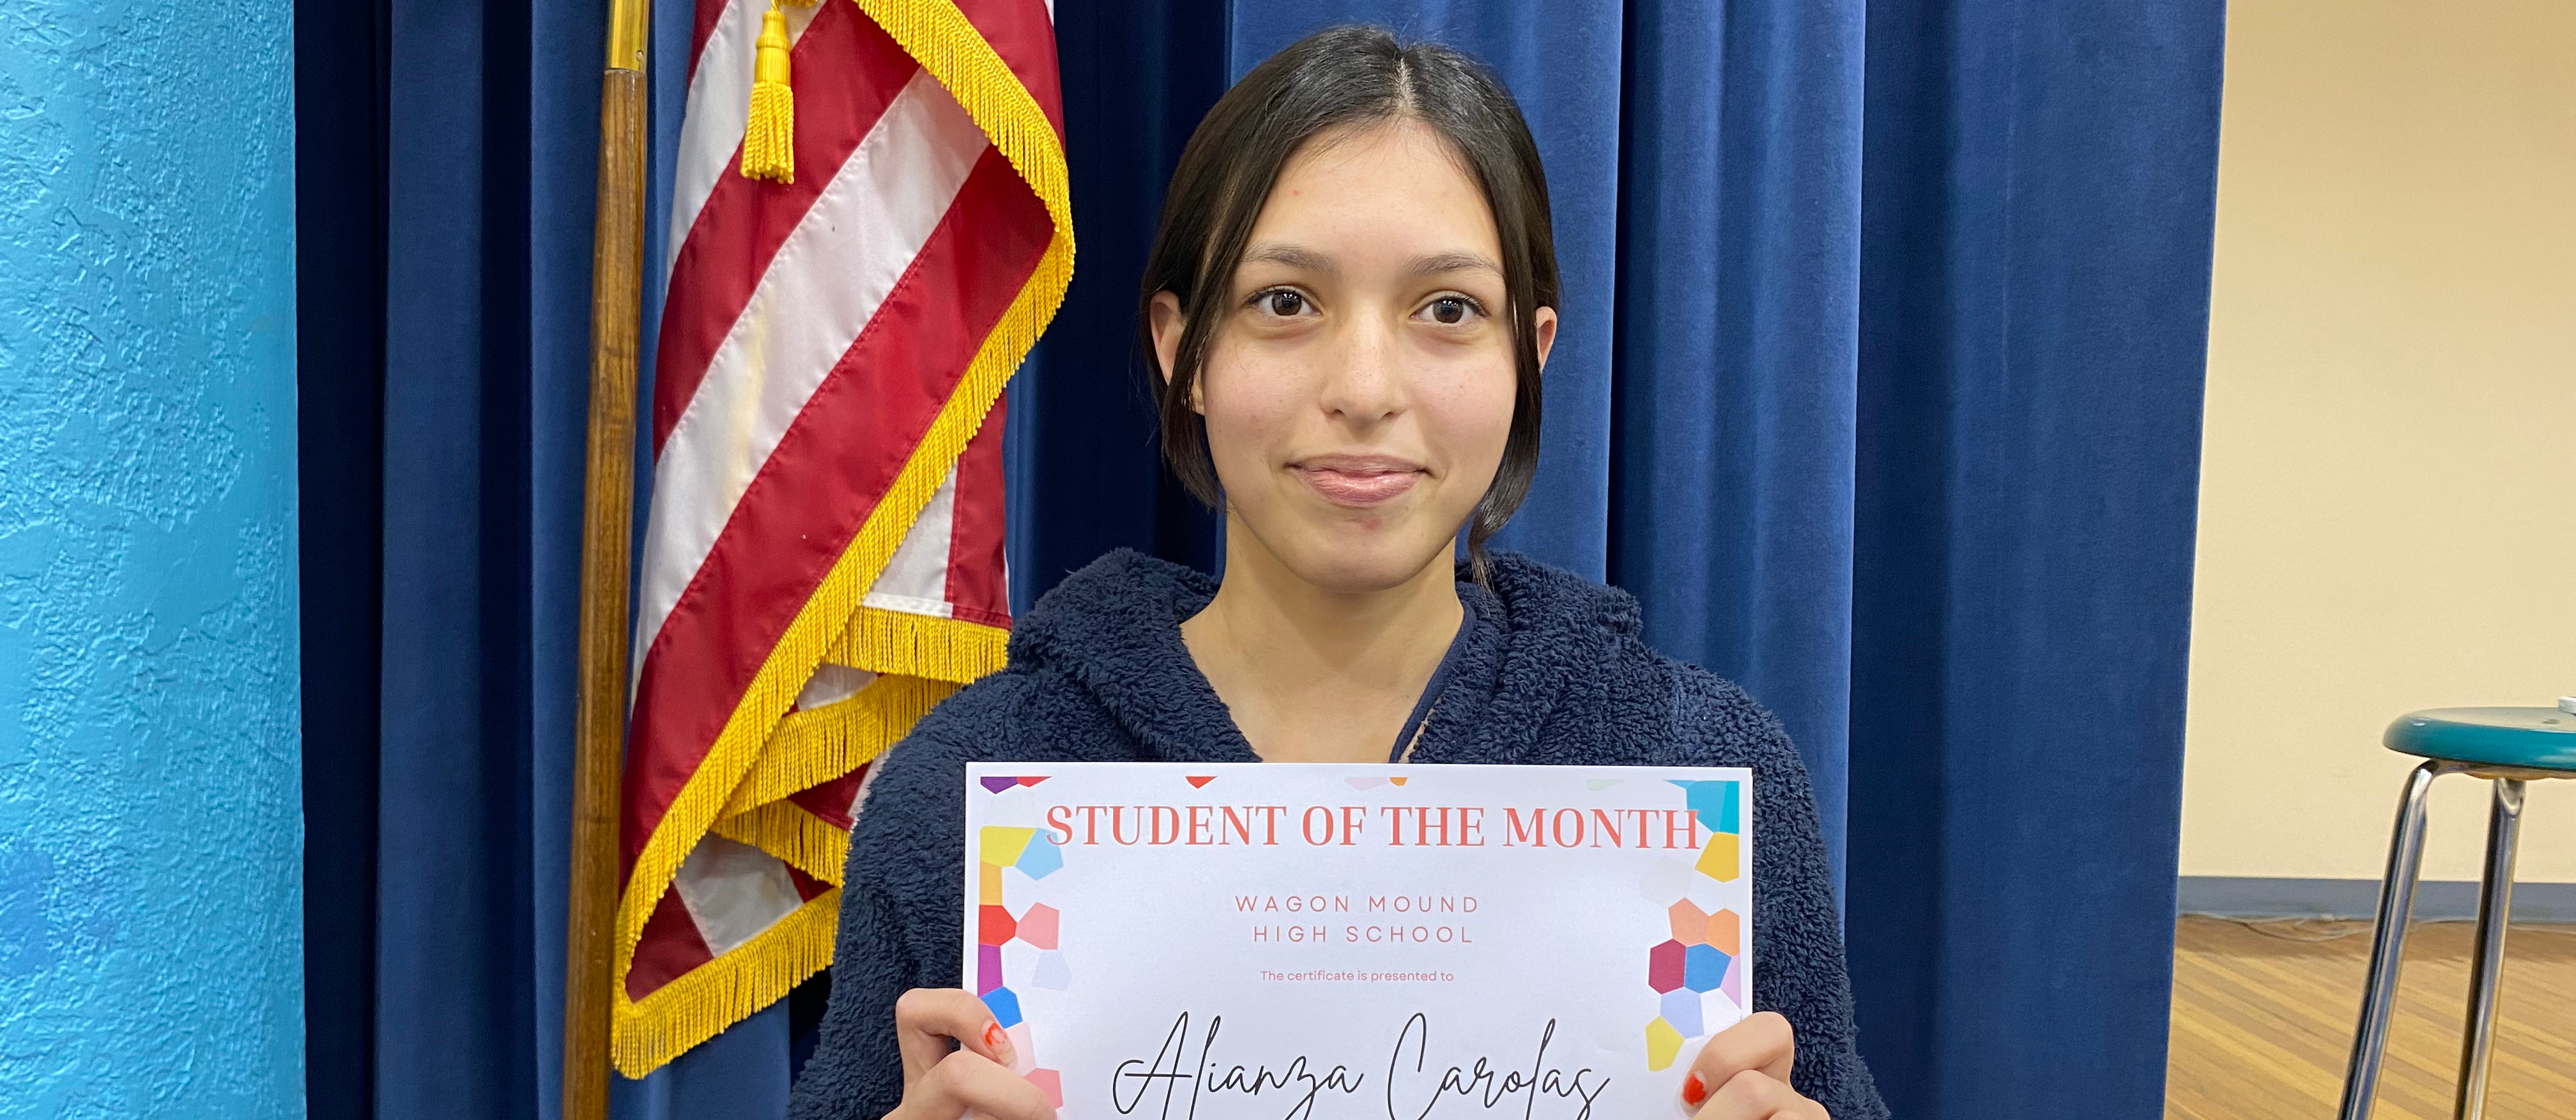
pixel 1324 942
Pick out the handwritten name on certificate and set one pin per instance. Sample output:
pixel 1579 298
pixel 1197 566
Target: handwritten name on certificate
pixel 1314 942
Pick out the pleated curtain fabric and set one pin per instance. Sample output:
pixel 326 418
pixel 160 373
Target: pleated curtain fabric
pixel 2039 186
pixel 444 181
pixel 1137 76
pixel 1735 379
pixel 1879 385
pixel 489 148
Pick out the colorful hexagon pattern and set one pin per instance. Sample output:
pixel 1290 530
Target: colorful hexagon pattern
pixel 1002 845
pixel 1041 858
pixel 988 968
pixel 1664 965
pixel 1681 1009
pixel 1663 1044
pixel 1726 931
pixel 1051 1082
pixel 1703 967
pixel 1024 1048
pixel 1707 893
pixel 1719 859
pixel 993 925
pixel 1690 923
pixel 1052 973
pixel 1034 854
pixel 1037 925
pixel 1005 1006
pixel 1705 952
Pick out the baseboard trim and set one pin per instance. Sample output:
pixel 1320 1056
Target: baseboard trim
pixel 2436 900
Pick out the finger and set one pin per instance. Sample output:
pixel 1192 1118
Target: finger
pixel 1754 1095
pixel 967 1082
pixel 926 1019
pixel 1762 1042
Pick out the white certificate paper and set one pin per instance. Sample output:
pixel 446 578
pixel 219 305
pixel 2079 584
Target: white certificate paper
pixel 1311 942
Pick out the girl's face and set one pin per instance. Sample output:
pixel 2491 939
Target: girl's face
pixel 1359 392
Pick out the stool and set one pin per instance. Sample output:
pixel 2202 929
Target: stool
pixel 2509 746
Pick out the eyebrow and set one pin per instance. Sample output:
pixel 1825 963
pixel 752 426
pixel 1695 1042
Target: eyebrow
pixel 1294 256
pixel 1436 264
pixel 1440 263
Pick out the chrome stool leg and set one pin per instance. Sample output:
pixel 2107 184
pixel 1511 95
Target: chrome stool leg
pixel 2495 912
pixel 2388 943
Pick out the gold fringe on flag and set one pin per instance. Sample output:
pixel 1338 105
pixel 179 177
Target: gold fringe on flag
pixel 784 829
pixel 944 649
pixel 760 971
pixel 810 748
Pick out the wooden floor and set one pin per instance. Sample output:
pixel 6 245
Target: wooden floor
pixel 2263 1017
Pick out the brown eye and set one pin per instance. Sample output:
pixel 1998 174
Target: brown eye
pixel 1283 302
pixel 1450 310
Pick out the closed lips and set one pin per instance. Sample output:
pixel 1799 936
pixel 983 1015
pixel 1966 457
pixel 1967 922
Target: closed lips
pixel 1358 480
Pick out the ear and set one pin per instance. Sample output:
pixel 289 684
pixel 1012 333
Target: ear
pixel 1168 325
pixel 1545 321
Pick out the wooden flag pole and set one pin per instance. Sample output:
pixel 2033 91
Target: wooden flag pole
pixel 607 533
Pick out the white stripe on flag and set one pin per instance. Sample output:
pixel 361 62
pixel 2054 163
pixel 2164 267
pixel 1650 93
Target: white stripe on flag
pixel 916 579
pixel 832 684
pixel 733 891
pixel 835 269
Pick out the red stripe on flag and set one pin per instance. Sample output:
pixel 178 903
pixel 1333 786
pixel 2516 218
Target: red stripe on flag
pixel 846 72
pixel 808 888
pixel 832 466
pixel 1024 35
pixel 710 13
pixel 831 801
pixel 977 591
pixel 670 945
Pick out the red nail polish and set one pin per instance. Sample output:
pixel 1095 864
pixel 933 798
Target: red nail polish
pixel 996 1040
pixel 1694 1089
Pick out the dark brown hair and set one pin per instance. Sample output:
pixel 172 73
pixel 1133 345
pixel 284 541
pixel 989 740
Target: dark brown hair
pixel 1337 77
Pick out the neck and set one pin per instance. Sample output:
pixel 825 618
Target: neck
pixel 1312 674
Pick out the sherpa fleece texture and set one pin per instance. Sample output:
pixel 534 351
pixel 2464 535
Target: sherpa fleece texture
pixel 1554 672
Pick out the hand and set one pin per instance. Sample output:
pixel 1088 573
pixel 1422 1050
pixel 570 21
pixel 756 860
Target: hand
pixel 1742 1073
pixel 941 1083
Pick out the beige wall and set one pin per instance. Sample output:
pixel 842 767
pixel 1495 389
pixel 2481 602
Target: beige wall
pixel 2388 489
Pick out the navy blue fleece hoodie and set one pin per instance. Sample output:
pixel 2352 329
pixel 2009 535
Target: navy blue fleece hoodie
pixel 1552 670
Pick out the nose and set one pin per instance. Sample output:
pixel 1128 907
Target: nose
pixel 1364 385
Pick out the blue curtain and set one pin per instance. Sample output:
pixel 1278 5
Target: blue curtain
pixel 1734 382
pixel 2039 180
pixel 445 155
pixel 445 172
pixel 340 325
pixel 1084 472
pixel 1879 385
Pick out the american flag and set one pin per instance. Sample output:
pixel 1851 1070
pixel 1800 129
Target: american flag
pixel 823 556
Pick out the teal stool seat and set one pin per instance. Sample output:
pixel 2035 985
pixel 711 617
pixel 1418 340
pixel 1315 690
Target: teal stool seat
pixel 2510 747
pixel 2524 738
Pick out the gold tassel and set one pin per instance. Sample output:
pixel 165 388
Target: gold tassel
pixel 769 137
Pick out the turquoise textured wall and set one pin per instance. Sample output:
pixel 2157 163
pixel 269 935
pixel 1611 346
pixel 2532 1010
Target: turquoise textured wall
pixel 150 836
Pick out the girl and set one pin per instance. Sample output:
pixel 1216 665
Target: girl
pixel 1350 301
